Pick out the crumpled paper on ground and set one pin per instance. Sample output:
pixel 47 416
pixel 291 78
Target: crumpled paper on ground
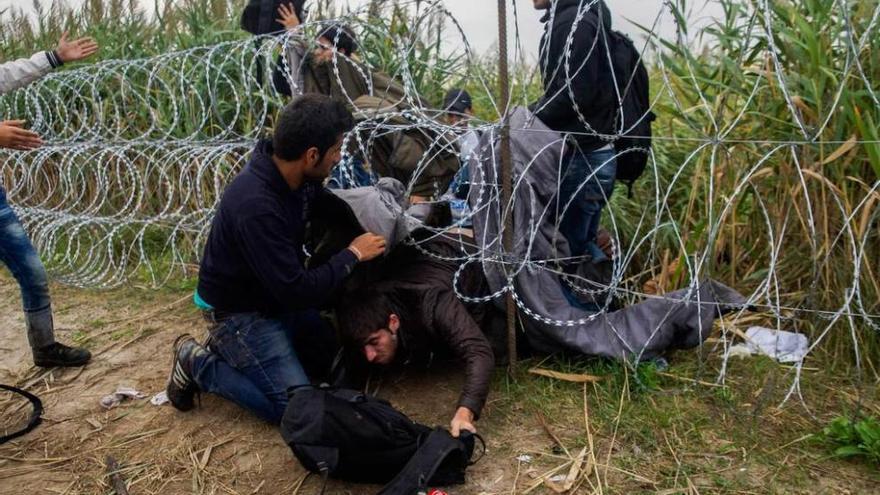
pixel 159 399
pixel 122 393
pixel 785 347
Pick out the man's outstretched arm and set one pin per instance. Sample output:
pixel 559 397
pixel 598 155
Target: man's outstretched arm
pixel 270 250
pixel 21 72
pixel 461 333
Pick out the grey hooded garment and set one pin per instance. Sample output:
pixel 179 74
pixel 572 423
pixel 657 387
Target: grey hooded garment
pixel 380 209
pixel 680 319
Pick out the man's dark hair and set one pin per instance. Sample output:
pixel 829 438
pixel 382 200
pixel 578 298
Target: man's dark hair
pixel 310 120
pixel 341 36
pixel 362 313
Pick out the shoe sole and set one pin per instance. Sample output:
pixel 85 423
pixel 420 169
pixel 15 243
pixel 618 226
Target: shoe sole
pixel 62 364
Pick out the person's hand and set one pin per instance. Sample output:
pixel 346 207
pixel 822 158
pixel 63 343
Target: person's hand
pixel 463 420
pixel 367 246
pixel 605 242
pixel 13 135
pixel 71 51
pixel 288 17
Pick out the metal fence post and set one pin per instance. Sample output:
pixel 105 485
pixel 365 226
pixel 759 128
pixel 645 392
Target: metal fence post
pixel 506 173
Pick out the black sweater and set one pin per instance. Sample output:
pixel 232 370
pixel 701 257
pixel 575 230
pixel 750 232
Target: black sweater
pixel 586 67
pixel 253 259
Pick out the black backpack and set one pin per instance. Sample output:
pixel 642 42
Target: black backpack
pixel 352 436
pixel 633 119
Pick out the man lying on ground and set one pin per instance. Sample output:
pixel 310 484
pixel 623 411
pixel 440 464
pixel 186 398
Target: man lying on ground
pixel 414 313
pixel 253 286
pixel 17 252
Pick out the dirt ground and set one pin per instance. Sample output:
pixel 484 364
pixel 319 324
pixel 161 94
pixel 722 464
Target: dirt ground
pixel 219 448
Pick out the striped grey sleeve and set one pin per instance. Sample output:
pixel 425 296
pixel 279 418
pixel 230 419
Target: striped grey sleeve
pixel 54 60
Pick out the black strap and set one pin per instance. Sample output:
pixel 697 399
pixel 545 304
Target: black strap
pixel 482 454
pixel 35 415
pixel 423 465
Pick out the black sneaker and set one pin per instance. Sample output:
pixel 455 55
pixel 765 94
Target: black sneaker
pixel 181 388
pixel 58 354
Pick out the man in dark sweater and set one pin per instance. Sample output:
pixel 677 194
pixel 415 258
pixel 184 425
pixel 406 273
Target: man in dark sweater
pixel 580 101
pixel 414 314
pixel 253 285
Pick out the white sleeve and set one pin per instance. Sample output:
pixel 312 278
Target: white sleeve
pixel 21 72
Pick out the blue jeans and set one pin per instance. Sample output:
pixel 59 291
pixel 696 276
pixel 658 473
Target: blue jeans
pixel 252 361
pixel 588 181
pixel 20 257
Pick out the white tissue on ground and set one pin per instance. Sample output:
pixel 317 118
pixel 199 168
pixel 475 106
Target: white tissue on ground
pixel 159 399
pixel 785 347
pixel 122 393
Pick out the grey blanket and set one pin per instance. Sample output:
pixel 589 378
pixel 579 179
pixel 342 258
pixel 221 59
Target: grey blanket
pixel 380 209
pixel 679 319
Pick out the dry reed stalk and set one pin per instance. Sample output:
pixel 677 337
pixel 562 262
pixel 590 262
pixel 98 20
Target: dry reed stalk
pixel 257 489
pixel 690 380
pixel 624 391
pixel 515 478
pixel 635 476
pixel 590 442
pixel 299 484
pixel 574 473
pixel 540 479
pixel 129 439
pixel 552 435
pixel 22 470
pixel 568 377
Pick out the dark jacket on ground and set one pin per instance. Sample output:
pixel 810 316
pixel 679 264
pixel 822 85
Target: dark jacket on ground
pixel 587 69
pixel 434 320
pixel 254 258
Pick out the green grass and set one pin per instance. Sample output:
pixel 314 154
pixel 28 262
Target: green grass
pixel 675 431
pixel 854 439
pixel 80 337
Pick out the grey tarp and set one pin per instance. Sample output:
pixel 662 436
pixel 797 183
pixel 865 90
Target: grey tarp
pixel 380 209
pixel 676 320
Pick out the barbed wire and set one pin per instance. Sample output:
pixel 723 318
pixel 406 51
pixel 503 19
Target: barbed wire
pixel 140 150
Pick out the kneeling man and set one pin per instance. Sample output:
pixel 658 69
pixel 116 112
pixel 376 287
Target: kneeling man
pixel 253 285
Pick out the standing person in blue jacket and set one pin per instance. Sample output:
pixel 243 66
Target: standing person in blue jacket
pixel 17 252
pixel 253 285
pixel 579 100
